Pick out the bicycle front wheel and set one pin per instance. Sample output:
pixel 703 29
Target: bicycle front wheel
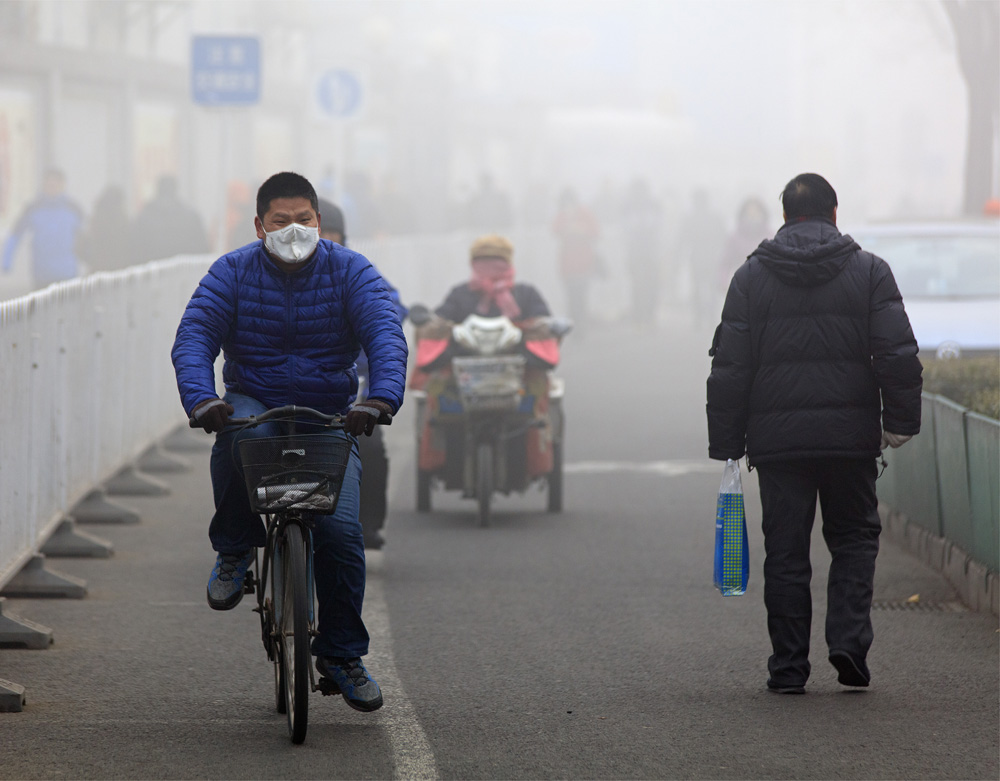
pixel 293 627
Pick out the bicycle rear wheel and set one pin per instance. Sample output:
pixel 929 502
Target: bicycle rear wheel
pixel 292 618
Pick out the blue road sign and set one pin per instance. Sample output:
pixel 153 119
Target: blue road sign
pixel 225 70
pixel 338 93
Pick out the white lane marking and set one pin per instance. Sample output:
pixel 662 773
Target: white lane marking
pixel 664 468
pixel 177 604
pixel 412 755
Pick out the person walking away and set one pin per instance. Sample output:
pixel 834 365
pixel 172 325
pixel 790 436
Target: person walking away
pixel 576 230
pixel 104 245
pixel 374 459
pixel 166 226
pixel 290 313
pixel 54 222
pixel 641 218
pixel 814 373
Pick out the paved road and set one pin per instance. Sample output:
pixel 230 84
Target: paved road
pixel 589 644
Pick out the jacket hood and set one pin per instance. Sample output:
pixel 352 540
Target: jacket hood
pixel 807 253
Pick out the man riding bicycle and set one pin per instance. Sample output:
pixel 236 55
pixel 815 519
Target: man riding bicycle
pixel 290 313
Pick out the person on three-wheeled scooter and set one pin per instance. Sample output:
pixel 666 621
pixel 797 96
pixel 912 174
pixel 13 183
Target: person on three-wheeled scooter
pixel 489 410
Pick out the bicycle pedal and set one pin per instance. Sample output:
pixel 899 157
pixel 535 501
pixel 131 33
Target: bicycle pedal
pixel 327 686
pixel 249 584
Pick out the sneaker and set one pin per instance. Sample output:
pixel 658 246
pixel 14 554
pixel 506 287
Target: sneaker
pixel 785 688
pixel 358 687
pixel 225 586
pixel 850 672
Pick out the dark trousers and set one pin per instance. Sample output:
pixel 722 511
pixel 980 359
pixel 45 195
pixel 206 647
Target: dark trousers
pixel 374 483
pixel 851 527
pixel 338 547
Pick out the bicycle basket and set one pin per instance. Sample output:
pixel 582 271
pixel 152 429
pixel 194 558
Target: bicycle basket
pixel 490 383
pixel 296 472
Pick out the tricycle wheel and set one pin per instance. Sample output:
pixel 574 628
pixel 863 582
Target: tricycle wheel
pixel 423 491
pixel 484 482
pixel 555 480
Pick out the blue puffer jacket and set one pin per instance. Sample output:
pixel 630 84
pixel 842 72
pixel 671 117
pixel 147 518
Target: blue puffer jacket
pixel 291 338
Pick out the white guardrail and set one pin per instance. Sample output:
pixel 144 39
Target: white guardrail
pixel 88 385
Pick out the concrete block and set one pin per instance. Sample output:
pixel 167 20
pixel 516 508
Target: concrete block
pixel 189 440
pixel 95 507
pixel 982 585
pixel 12 699
pixel 956 572
pixel 130 481
pixel 34 580
pixel 17 632
pixel 68 541
pixel 158 459
pixel 936 549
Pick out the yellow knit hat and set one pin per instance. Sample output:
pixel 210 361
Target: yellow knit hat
pixel 491 246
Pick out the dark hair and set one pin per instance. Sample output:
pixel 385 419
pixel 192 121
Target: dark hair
pixel 332 219
pixel 808 195
pixel 284 185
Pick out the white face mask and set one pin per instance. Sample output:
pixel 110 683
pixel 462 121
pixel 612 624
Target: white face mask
pixel 293 244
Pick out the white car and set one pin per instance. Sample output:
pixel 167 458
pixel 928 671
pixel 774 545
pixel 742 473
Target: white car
pixel 949 275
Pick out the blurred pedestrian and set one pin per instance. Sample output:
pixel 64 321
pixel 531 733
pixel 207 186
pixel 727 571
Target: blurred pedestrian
pixel 166 226
pixel 54 222
pixel 396 210
pixel 104 245
pixel 374 459
pixel 360 207
pixel 752 227
pixel 700 240
pixel 576 229
pixel 814 373
pixel 240 210
pixel 488 208
pixel 641 222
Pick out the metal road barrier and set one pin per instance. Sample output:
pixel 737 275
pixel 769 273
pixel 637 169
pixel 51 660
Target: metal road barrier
pixel 943 487
pixel 87 387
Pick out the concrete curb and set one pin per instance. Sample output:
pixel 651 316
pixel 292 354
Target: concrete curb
pixel 977 585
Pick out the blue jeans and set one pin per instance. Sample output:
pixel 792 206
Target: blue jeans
pixel 338 543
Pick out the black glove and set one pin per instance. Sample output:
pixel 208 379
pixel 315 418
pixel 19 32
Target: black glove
pixel 212 415
pixel 363 416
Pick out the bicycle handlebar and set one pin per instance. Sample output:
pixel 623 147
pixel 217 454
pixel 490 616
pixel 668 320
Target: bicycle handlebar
pixel 291 411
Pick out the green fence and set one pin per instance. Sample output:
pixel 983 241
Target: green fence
pixel 947 479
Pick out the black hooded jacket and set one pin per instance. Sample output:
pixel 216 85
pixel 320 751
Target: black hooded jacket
pixel 814 355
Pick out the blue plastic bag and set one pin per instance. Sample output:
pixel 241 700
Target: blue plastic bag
pixel 732 555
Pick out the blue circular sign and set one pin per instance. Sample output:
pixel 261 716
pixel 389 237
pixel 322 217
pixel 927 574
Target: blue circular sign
pixel 338 93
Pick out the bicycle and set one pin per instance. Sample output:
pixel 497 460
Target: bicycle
pixel 291 478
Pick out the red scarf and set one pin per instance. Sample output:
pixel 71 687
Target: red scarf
pixel 494 278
